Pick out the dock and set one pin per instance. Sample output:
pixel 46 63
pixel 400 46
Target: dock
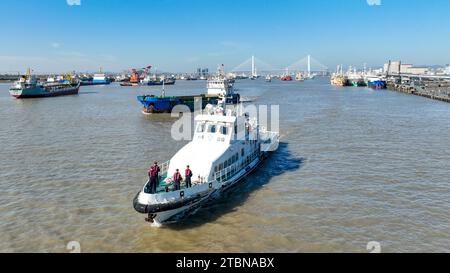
pixel 428 86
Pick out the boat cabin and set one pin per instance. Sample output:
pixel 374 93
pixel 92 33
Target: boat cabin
pixel 219 86
pixel 215 128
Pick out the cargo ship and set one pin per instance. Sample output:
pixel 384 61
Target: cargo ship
pixel 218 87
pixel 98 79
pixel 29 87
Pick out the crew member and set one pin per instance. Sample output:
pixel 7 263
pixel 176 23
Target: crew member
pixel 153 173
pixel 188 175
pixel 177 180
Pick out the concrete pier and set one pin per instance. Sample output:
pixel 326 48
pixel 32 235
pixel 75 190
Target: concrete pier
pixel 432 87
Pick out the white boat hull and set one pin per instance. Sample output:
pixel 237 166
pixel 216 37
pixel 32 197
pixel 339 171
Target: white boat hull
pixel 164 217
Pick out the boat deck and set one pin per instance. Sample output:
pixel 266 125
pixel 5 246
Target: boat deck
pixel 163 187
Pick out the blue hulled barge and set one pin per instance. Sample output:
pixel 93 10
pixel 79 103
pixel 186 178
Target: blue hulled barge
pixel 218 88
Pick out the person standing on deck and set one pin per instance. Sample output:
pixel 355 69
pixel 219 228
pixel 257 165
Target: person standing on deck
pixel 177 180
pixel 188 175
pixel 153 173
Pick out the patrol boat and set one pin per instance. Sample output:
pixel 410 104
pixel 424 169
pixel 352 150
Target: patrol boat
pixel 219 158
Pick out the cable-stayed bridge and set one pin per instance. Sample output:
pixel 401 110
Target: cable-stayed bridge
pixel 255 66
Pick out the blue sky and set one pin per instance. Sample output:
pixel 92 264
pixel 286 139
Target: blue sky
pixel 181 35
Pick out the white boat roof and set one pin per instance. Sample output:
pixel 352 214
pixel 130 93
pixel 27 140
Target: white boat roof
pixel 216 118
pixel 199 156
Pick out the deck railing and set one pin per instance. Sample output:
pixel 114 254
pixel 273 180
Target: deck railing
pixel 165 167
pixel 224 175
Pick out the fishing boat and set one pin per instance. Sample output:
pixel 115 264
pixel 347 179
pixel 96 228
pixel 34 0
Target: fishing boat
pixel 218 158
pixel 300 77
pixel 376 83
pixel 217 87
pixel 339 80
pixel 286 78
pixel 356 80
pixel 28 86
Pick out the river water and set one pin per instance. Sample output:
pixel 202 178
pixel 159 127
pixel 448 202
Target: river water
pixel 354 166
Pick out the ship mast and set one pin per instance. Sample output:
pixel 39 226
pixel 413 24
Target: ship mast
pixel 164 88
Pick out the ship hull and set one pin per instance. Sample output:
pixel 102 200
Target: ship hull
pixel 160 105
pixel 40 92
pixel 101 82
pixel 89 83
pixel 153 83
pixel 159 215
pixel 377 85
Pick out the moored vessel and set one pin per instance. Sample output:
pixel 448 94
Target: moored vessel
pixel 376 83
pixel 339 80
pixel 356 80
pixel 300 77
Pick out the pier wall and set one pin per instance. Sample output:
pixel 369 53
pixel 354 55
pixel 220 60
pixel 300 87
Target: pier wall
pixel 436 89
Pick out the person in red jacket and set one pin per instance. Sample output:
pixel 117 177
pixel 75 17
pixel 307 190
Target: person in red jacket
pixel 153 174
pixel 188 175
pixel 177 180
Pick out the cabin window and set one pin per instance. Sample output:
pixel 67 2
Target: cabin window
pixel 224 130
pixel 225 165
pixel 212 129
pixel 221 166
pixel 242 153
pixel 201 128
pixel 229 162
pixel 215 169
